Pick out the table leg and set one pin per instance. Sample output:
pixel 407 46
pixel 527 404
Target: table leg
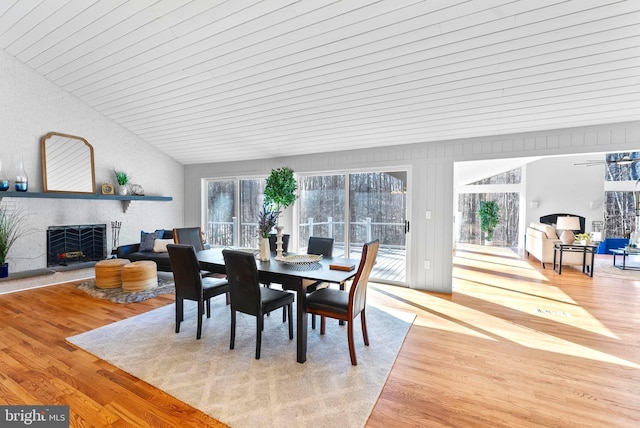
pixel 560 265
pixel 301 324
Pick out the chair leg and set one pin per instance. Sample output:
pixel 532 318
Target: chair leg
pixel 179 313
pixel 200 315
pixel 232 343
pixel 259 327
pixel 208 308
pixel 365 335
pixel 284 314
pixel 313 321
pixel 290 310
pixel 352 348
pixel 323 324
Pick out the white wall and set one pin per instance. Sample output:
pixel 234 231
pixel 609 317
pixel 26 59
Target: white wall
pixel 431 187
pixel 30 107
pixel 562 187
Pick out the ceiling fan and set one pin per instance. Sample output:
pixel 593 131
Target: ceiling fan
pixel 623 160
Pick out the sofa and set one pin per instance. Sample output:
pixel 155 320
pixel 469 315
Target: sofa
pixel 152 246
pixel 539 242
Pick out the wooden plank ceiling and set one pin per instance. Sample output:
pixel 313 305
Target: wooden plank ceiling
pixel 211 81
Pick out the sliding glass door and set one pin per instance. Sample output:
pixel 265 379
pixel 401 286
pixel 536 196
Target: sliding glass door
pixel 355 209
pixel 378 210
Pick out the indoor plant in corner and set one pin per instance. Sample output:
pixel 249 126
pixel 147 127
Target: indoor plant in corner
pixel 12 227
pixel 279 193
pixel 489 216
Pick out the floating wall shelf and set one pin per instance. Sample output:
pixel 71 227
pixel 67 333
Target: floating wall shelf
pixel 125 199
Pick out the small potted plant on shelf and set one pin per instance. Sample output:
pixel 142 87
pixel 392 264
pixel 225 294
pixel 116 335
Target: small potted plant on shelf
pixel 12 227
pixel 489 216
pixel 123 179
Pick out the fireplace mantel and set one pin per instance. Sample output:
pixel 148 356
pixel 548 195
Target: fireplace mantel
pixel 125 199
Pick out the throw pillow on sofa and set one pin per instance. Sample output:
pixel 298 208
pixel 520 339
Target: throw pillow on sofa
pixel 160 245
pixel 147 239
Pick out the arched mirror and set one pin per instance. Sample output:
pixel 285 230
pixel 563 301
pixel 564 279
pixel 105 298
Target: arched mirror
pixel 67 164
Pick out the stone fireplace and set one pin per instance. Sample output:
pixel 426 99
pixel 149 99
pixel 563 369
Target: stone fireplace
pixel 76 244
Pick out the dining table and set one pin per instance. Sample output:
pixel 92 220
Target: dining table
pixel 292 276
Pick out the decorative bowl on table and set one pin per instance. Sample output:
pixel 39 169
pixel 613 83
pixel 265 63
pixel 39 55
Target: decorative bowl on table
pixel 301 259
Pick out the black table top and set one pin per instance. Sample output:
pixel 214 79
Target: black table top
pixel 213 260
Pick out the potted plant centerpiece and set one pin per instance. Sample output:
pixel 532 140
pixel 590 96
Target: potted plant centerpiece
pixel 123 179
pixel 12 227
pixel 267 220
pixel 279 193
pixel 489 216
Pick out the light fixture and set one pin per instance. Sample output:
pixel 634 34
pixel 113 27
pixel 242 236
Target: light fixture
pixel 535 204
pixel 568 224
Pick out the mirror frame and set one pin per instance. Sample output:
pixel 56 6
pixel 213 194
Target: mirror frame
pixel 84 178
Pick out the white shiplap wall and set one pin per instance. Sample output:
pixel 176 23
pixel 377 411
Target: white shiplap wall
pixel 431 187
pixel 30 107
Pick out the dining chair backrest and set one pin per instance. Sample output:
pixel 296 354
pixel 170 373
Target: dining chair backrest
pixel 189 236
pixel 244 287
pixel 320 246
pixel 358 291
pixel 273 242
pixel 186 271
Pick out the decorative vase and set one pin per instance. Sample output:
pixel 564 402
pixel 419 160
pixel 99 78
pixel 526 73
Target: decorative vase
pixel 4 270
pixel 4 180
pixel 123 189
pixel 264 251
pixel 279 242
pixel 22 180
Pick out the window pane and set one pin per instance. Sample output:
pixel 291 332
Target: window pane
pixel 321 210
pixel 506 233
pixel 251 198
pixel 378 211
pixel 620 214
pixel 221 210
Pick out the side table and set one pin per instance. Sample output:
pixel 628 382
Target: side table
pixel 625 252
pixel 559 248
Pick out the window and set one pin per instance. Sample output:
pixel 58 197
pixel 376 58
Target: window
pixel 232 212
pixel 506 232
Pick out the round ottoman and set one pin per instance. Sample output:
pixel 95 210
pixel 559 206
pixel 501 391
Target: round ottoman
pixel 139 276
pixel 109 273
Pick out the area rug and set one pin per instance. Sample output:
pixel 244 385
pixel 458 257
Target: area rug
pixel 117 295
pixel 605 269
pixel 235 388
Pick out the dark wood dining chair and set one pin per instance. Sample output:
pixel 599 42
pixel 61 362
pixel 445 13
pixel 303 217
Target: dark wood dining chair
pixel 323 247
pixel 193 236
pixel 189 236
pixel 191 285
pixel 249 297
pixel 347 305
pixel 273 242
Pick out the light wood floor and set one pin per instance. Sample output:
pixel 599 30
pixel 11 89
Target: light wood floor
pixel 514 346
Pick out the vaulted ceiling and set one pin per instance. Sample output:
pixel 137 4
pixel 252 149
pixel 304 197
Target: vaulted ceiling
pixel 212 81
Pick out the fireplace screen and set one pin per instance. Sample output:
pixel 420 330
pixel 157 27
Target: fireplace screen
pixel 75 244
